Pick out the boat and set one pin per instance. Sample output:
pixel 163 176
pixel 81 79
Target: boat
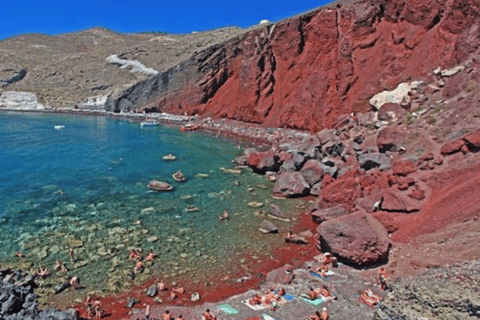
pixel 169 157
pixel 188 127
pixel 192 208
pixel 59 127
pixel 178 176
pixel 149 123
pixel 159 186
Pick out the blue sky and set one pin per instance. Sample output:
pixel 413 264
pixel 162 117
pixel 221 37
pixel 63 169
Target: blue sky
pixel 53 17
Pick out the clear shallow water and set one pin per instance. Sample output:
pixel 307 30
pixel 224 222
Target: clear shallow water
pixel 86 186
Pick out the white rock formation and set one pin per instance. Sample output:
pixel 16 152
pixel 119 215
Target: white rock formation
pixel 19 100
pixel 136 66
pixel 95 103
pixel 395 96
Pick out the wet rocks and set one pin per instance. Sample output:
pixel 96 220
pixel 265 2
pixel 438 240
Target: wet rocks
pixel 267 227
pixel 357 239
pixel 290 184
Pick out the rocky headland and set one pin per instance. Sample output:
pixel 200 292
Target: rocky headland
pixel 370 108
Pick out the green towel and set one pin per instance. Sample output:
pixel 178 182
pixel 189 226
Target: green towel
pixel 228 309
pixel 315 302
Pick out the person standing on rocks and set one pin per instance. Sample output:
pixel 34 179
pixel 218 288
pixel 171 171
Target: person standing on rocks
pixel 147 311
pixel 382 277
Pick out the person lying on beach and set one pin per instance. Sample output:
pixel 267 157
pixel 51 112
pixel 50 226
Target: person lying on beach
pixel 43 273
pixel 324 315
pixel 369 298
pixel 312 294
pixel 316 316
pixel 179 290
pixel 334 262
pixel 281 292
pixel 173 295
pixel 255 300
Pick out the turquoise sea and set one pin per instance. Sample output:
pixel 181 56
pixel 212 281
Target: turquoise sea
pixel 85 186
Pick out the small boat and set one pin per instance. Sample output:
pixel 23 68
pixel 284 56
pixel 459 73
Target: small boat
pixel 188 127
pixel 192 209
pixel 58 127
pixel 169 157
pixel 159 186
pixel 178 176
pixel 149 123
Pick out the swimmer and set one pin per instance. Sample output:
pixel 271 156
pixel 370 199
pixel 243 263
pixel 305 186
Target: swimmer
pixel 58 265
pixel 70 253
pixel 43 273
pixel 19 254
pixel 74 281
pixel 150 256
pixel 138 267
pixel 64 268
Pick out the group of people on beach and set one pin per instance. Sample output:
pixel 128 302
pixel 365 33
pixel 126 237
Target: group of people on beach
pixel 167 315
pixel 94 308
pixel 269 300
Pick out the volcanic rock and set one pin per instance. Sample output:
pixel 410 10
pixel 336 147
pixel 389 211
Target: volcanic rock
pixel 389 139
pixel 276 211
pixel 472 140
pixel 396 201
pixel 373 160
pixel 262 162
pixel 152 291
pixel 452 147
pixel 357 239
pixel 283 275
pixel 290 184
pixel 369 203
pixel 312 172
pixel 403 167
pixel 390 112
pixel 325 214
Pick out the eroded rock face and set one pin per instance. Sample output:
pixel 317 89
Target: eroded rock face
pixel 305 71
pixel 357 239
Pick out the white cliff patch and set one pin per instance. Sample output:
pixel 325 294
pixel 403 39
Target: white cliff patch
pixel 19 100
pixel 136 66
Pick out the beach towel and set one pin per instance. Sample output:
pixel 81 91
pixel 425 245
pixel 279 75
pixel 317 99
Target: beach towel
pixel 288 297
pixel 315 302
pixel 267 317
pixel 227 308
pixel 328 273
pixel 256 307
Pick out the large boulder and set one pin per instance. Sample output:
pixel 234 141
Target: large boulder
pixel 472 140
pixel 357 239
pixel 290 184
pixel 403 167
pixel 325 214
pixel 397 201
pixel 312 172
pixel 283 275
pixel 389 139
pixel 374 160
pixel 452 147
pixel 262 162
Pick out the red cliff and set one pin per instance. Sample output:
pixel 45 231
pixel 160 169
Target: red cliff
pixel 305 71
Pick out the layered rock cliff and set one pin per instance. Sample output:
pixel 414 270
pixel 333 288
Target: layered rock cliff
pixel 305 71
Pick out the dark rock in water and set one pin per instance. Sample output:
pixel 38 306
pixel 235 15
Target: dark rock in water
pixel 283 275
pixel 290 184
pixel 267 227
pixel 152 291
pixel 65 285
pixel 357 239
pixel 276 211
pixel 131 302
pixel 324 214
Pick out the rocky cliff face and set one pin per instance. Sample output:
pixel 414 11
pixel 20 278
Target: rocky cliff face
pixel 305 71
